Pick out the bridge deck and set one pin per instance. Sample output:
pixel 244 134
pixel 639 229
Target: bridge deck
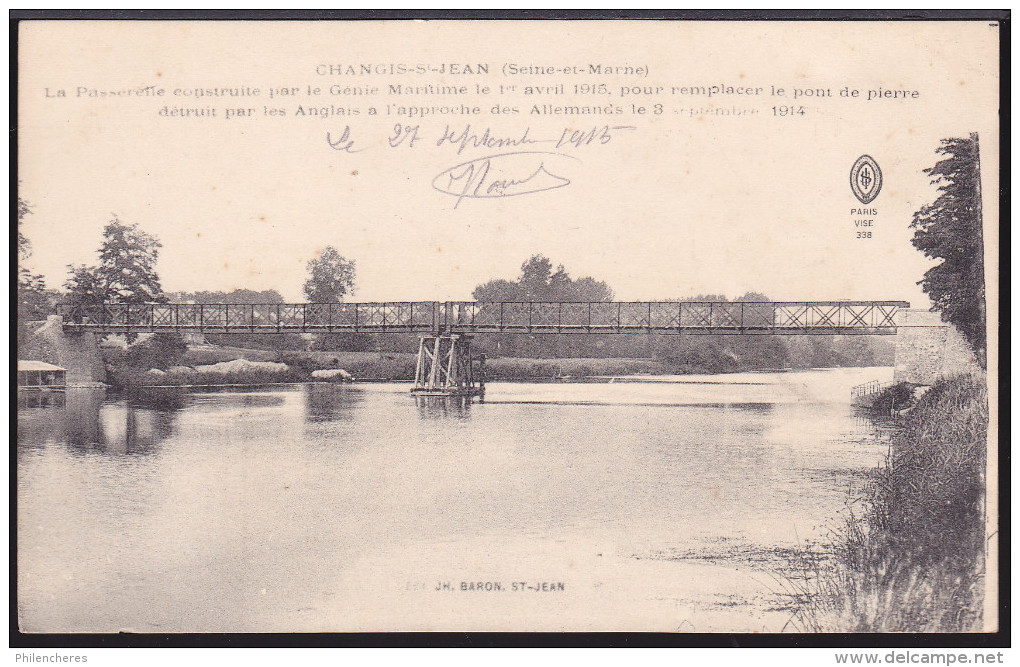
pixel 473 317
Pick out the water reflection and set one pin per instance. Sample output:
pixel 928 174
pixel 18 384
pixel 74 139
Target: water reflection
pixel 130 430
pixel 331 402
pixel 866 423
pixel 84 421
pixel 443 407
pixel 73 419
pixel 39 399
pixel 237 397
pixel 160 398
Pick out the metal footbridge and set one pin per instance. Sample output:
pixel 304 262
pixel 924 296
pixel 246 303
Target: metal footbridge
pixel 474 317
pixel 446 365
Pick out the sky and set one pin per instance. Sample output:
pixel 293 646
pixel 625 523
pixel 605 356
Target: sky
pixel 674 207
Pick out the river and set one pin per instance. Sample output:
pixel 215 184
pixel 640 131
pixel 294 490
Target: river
pixel 643 504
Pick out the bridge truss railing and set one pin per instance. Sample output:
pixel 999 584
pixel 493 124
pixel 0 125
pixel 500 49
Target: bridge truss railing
pixel 411 316
pixel 713 317
pixel 665 317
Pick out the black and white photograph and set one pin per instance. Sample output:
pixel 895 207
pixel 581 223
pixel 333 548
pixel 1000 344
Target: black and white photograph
pixel 572 326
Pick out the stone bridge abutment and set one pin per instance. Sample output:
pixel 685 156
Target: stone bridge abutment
pixel 78 352
pixel 928 349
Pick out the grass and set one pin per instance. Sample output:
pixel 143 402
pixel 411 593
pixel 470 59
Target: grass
pixel 912 559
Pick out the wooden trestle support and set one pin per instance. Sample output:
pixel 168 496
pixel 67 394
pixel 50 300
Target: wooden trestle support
pixel 445 367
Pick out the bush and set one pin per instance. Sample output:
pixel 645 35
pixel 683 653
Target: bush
pixel 131 377
pixel 897 397
pixel 345 342
pixel 161 351
pixel 259 341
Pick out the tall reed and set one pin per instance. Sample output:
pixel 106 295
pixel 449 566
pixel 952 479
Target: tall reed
pixel 913 559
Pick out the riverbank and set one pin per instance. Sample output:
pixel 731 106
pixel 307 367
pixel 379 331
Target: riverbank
pixel 912 560
pixel 364 366
pixel 131 366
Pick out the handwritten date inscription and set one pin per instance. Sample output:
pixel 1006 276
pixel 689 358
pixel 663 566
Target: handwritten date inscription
pixel 521 167
pixel 503 175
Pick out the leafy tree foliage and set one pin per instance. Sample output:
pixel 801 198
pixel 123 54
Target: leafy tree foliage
pixel 752 297
pixel 538 282
pixel 126 272
pixel 24 245
pixel 127 264
pixel 234 296
pixel 35 302
pixel 161 351
pixel 950 229
pixel 331 277
pixel 498 290
pixel 723 353
pixel 687 354
pixel 85 286
pixel 276 341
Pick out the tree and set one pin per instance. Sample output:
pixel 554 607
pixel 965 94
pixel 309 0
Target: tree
pixel 497 290
pixel 126 272
pixel 34 301
pixel 538 282
pixel 236 296
pixel 261 341
pixel 162 351
pixel 760 352
pixel 85 287
pixel 950 229
pixel 536 279
pixel 127 264
pixel 331 277
pixel 24 245
pixel 589 289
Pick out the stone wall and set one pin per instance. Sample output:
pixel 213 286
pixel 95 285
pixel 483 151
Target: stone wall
pixel 77 352
pixel 928 349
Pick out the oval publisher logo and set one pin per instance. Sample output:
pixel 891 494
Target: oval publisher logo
pixel 866 179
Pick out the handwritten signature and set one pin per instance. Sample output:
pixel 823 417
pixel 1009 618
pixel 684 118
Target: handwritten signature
pixel 502 175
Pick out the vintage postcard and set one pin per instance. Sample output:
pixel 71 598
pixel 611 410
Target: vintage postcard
pixel 648 326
